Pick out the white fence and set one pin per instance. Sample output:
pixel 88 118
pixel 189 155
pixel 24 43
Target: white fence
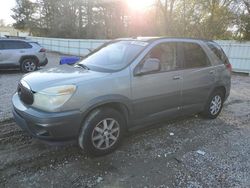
pixel 78 47
pixel 237 52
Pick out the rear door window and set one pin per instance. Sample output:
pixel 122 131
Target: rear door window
pixel 24 45
pixel 193 55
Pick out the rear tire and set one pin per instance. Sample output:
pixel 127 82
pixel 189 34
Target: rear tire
pixel 102 131
pixel 28 65
pixel 214 105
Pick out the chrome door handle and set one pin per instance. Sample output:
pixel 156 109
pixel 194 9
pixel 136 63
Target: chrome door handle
pixel 176 77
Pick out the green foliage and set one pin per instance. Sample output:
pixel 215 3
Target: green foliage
pixel 23 14
pixel 245 21
pixel 112 19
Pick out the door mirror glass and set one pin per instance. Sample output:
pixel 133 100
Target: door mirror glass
pixel 151 65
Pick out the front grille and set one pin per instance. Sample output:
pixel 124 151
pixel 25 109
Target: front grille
pixel 25 94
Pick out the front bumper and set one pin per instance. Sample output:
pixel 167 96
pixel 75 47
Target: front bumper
pixel 48 126
pixel 43 63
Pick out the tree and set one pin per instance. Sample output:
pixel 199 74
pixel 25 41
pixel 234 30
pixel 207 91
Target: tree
pixel 166 11
pixel 210 19
pixel 24 15
pixel 244 26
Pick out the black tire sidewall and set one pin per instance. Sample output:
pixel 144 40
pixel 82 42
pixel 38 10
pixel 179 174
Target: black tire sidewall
pixel 89 124
pixel 23 62
pixel 207 112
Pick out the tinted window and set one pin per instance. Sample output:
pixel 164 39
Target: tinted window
pixel 215 50
pixel 1 45
pixel 193 55
pixel 16 45
pixel 35 43
pixel 166 53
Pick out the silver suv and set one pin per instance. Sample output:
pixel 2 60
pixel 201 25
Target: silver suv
pixel 23 54
pixel 124 85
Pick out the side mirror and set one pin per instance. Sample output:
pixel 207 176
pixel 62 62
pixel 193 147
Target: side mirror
pixel 151 65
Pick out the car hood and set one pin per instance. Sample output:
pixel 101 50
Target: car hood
pixel 60 75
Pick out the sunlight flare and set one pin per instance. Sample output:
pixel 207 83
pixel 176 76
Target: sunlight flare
pixel 140 5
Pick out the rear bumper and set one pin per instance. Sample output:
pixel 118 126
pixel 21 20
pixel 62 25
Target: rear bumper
pixel 228 89
pixel 51 127
pixel 227 95
pixel 43 63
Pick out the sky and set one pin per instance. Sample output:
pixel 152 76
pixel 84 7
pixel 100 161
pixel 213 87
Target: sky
pixel 5 10
pixel 7 5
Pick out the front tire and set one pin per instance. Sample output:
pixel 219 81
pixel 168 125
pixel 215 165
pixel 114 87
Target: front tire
pixel 214 105
pixel 102 131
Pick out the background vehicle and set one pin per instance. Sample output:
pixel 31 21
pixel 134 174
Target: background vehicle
pixel 122 86
pixel 23 54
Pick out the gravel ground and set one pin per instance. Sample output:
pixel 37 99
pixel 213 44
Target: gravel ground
pixel 189 152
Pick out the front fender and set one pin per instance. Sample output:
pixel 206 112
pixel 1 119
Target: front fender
pixel 106 99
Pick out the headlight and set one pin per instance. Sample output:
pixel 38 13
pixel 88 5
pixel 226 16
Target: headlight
pixel 50 99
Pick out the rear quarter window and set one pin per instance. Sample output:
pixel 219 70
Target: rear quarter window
pixel 35 44
pixel 215 50
pixel 218 52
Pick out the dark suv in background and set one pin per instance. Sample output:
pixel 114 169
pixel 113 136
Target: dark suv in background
pixel 125 84
pixel 23 54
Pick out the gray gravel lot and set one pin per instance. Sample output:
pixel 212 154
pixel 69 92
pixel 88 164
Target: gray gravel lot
pixel 148 158
pixel 8 84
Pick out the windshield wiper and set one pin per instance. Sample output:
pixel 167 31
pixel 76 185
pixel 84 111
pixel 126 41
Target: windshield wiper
pixel 83 66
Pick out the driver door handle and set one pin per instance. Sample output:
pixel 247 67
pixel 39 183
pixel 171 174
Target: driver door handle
pixel 176 77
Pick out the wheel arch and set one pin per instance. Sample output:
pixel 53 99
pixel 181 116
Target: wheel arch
pixel 119 103
pixel 220 88
pixel 28 57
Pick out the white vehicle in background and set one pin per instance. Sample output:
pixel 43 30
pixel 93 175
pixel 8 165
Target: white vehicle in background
pixel 24 54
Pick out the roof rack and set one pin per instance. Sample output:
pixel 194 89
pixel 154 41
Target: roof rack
pixel 14 37
pixel 154 38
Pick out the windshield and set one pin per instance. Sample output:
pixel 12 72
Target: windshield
pixel 114 56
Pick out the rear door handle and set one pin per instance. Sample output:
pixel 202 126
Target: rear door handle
pixel 211 72
pixel 176 77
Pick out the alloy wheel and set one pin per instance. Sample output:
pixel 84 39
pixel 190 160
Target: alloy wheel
pixel 105 134
pixel 215 105
pixel 29 66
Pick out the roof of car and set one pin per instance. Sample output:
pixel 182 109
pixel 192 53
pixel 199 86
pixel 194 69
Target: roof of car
pixel 152 39
pixel 11 39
